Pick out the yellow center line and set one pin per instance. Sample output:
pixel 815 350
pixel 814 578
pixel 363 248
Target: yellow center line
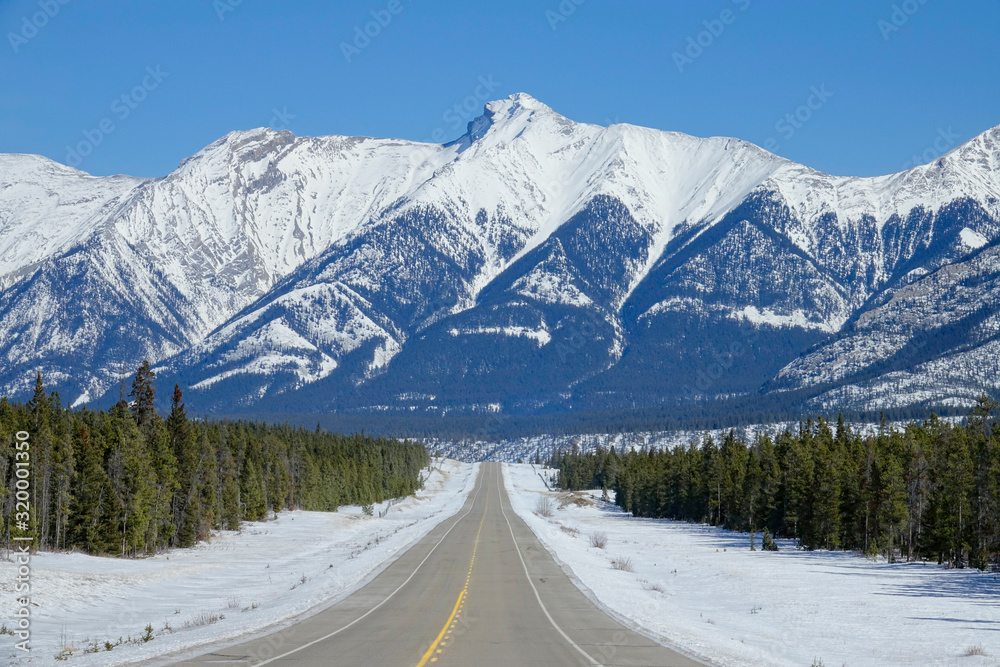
pixel 461 597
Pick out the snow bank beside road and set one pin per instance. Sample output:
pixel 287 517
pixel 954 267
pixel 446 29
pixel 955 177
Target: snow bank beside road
pixel 247 581
pixel 702 589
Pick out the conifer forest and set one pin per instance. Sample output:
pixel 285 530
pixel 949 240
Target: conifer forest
pixel 128 482
pixel 929 491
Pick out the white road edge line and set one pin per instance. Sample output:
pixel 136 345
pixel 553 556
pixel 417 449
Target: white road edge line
pixel 537 596
pixel 388 597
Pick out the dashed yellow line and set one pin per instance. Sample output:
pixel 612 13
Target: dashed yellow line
pixel 434 651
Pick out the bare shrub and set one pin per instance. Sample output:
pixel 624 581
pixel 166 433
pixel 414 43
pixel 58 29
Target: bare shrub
pixel 233 602
pixel 544 506
pixel 599 540
pixel 204 618
pixel 978 649
pixel 646 586
pixel 623 563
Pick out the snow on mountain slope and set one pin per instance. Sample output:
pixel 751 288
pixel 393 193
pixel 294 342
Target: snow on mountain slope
pixel 46 208
pixel 553 167
pixel 933 341
pixel 171 259
pixel 269 263
pixel 504 189
pixel 249 209
pixel 861 230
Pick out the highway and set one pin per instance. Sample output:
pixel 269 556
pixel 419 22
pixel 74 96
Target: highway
pixel 479 589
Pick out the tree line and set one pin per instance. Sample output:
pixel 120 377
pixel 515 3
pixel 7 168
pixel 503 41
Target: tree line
pixel 930 490
pixel 127 481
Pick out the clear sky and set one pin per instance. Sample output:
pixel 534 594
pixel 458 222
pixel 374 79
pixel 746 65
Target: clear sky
pixel 850 87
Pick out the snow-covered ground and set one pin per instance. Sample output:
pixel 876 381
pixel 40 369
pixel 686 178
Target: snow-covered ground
pixel 701 589
pixel 258 578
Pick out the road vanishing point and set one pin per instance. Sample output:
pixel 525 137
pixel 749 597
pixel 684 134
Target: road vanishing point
pixel 479 589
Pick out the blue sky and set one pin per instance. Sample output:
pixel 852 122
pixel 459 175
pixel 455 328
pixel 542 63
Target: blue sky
pixel 852 87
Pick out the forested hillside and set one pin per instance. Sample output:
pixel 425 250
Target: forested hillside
pixel 930 490
pixel 129 482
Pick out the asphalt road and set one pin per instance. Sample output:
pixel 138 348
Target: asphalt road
pixel 479 589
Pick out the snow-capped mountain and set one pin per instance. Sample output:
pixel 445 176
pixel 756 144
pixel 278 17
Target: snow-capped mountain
pixel 533 264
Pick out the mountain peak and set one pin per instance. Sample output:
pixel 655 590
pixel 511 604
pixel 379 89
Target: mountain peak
pixel 506 119
pixel 240 145
pixel 513 104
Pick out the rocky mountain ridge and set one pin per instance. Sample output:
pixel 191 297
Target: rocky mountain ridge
pixel 534 264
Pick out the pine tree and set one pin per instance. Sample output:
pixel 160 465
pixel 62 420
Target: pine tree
pixel 125 482
pixel 278 480
pixel 62 473
pixel 767 542
pixel 208 483
pixel 734 460
pixel 892 509
pixel 768 506
pixel 252 495
pixel 132 480
pixel 930 490
pixel 40 409
pixel 230 493
pixel 161 454
pixel 986 480
pixel 143 397
pixel 798 486
pixel 185 501
pixel 826 509
pixel 91 495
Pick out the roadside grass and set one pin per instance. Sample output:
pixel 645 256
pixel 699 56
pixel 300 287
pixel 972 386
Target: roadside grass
pixel 623 563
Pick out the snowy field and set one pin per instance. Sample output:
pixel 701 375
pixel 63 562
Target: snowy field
pixel 702 590
pixel 240 583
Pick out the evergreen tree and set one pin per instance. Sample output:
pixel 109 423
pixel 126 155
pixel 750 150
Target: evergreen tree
pixel 63 471
pixel 767 542
pixel 826 505
pixel 928 490
pixel 143 397
pixel 252 496
pixel 185 502
pixel 127 482
pixel 40 410
pixel 91 496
